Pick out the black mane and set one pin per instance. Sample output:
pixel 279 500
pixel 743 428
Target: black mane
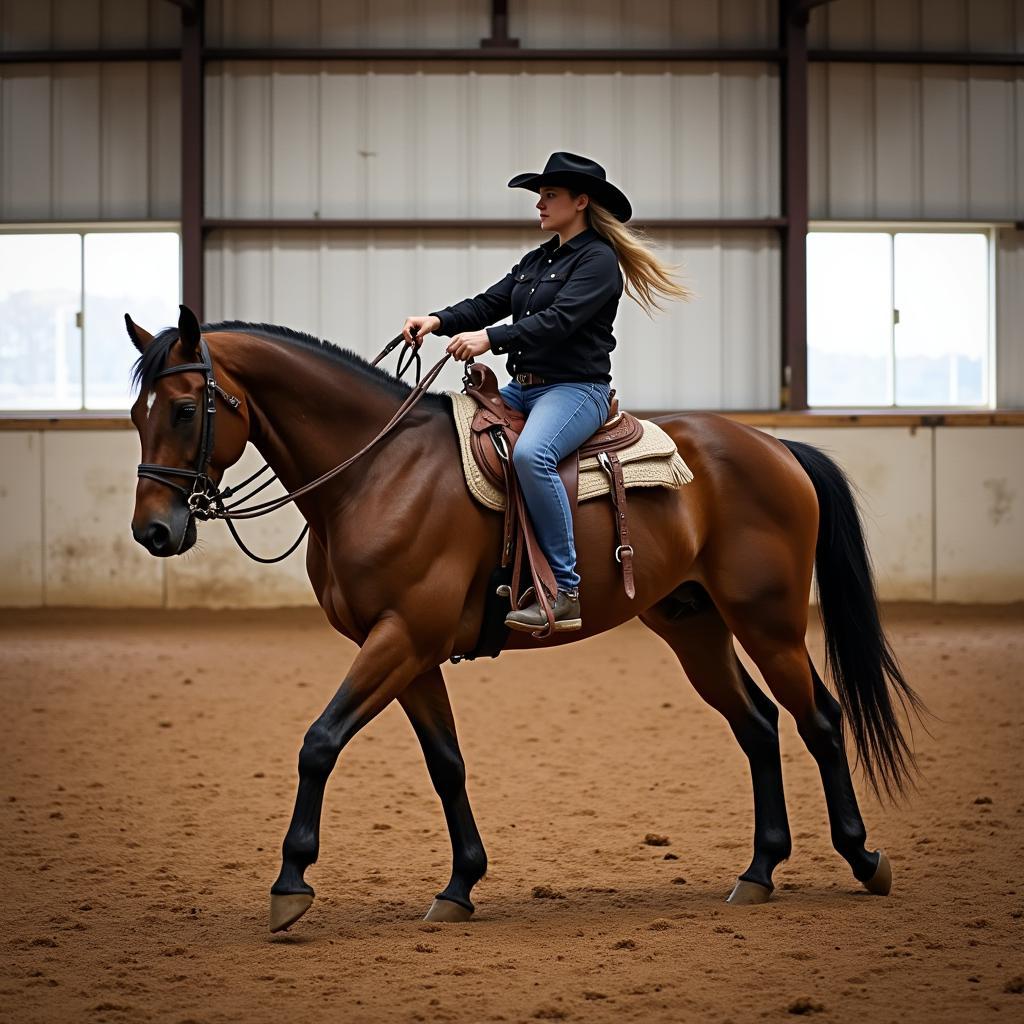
pixel 152 360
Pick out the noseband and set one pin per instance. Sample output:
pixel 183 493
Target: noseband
pixel 204 493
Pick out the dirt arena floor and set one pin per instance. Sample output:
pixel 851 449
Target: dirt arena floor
pixel 148 771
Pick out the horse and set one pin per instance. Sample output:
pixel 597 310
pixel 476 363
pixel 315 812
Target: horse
pixel 399 556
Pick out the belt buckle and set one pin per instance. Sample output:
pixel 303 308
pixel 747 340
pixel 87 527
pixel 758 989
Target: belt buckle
pixel 522 378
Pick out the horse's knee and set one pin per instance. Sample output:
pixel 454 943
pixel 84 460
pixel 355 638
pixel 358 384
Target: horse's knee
pixel 319 751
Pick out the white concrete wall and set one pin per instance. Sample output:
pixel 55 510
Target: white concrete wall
pixel 943 511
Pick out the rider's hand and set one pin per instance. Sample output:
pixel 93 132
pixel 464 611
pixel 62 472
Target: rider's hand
pixel 423 325
pixel 469 343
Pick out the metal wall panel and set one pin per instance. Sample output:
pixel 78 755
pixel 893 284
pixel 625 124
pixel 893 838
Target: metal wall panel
pixel 88 24
pixel 90 141
pixel 575 24
pixel 347 23
pixel 1010 320
pixel 907 142
pixel 356 288
pixel 440 140
pixel 653 24
pixel 983 26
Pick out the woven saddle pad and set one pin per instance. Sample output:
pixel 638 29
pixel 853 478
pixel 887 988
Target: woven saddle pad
pixel 654 461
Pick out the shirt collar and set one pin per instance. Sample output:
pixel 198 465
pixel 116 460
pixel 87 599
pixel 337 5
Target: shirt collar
pixel 574 243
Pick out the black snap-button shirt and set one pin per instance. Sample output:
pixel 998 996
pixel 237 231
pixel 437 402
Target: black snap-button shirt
pixel 563 300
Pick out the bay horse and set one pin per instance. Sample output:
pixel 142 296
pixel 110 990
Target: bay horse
pixel 399 556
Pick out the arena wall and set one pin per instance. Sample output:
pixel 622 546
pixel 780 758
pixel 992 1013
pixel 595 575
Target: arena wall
pixel 943 507
pixel 889 142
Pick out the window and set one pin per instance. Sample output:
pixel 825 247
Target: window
pixel 63 296
pixel 898 318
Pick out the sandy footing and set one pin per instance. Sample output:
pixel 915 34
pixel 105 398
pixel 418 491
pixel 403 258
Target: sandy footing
pixel 148 773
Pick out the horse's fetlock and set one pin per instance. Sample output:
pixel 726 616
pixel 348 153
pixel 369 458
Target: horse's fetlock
pixel 777 843
pixel 300 847
pixel 472 862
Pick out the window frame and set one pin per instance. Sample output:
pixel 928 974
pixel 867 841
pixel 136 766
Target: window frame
pixel 990 230
pixel 83 228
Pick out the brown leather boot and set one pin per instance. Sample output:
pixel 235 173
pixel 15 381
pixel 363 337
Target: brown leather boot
pixel 566 608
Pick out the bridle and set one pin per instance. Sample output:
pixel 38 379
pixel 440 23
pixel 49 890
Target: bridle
pixel 205 500
pixel 201 497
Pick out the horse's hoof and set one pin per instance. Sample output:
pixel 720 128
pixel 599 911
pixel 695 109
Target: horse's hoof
pixel 447 910
pixel 881 881
pixel 746 894
pixel 286 909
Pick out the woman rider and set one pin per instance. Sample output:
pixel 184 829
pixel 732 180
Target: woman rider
pixel 563 296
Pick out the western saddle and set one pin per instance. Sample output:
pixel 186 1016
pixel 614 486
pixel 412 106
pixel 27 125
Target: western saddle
pixel 495 430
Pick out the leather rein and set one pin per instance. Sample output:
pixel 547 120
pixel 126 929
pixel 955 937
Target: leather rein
pixel 207 501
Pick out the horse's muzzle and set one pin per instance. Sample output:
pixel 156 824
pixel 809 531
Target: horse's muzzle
pixel 163 539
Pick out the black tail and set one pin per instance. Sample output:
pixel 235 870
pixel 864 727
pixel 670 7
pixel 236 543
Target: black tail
pixel 858 657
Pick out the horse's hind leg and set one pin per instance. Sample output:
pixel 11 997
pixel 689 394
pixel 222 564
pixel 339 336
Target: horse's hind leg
pixel 691 625
pixel 772 633
pixel 427 705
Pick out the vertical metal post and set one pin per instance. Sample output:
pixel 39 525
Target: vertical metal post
pixel 499 36
pixel 192 155
pixel 793 15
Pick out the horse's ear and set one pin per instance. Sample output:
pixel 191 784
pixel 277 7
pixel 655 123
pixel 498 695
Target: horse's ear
pixel 139 335
pixel 188 332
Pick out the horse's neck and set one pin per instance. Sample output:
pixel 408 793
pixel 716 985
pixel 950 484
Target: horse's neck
pixel 307 413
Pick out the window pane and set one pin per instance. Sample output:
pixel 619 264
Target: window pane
pixel 136 273
pixel 40 343
pixel 942 334
pixel 849 318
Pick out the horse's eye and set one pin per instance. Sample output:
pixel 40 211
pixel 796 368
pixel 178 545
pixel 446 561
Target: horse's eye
pixel 184 413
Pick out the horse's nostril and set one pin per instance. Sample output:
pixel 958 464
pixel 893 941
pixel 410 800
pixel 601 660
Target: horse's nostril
pixel 157 537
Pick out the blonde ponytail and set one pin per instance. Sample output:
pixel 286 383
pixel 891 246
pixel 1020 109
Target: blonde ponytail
pixel 645 274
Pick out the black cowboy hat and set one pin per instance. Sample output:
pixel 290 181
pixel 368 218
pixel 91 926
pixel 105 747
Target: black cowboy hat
pixel 581 175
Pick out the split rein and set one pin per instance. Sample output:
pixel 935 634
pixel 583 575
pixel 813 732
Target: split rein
pixel 207 501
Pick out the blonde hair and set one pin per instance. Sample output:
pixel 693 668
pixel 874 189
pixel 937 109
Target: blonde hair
pixel 645 273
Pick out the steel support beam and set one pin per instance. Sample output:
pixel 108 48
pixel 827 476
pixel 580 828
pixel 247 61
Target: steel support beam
pixel 446 224
pixel 192 164
pixel 793 19
pixel 505 51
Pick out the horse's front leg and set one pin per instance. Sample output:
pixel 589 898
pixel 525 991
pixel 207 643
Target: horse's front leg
pixel 426 703
pixel 386 663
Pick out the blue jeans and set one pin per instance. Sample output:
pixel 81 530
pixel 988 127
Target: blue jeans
pixel 559 418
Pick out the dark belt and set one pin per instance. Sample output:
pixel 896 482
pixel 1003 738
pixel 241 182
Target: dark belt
pixel 527 379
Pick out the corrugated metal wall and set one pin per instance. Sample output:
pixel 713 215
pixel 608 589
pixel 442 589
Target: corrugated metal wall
pixel 441 140
pixel 87 24
pixel 908 142
pixel 356 288
pixel 536 23
pixel 90 141
pixel 983 26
